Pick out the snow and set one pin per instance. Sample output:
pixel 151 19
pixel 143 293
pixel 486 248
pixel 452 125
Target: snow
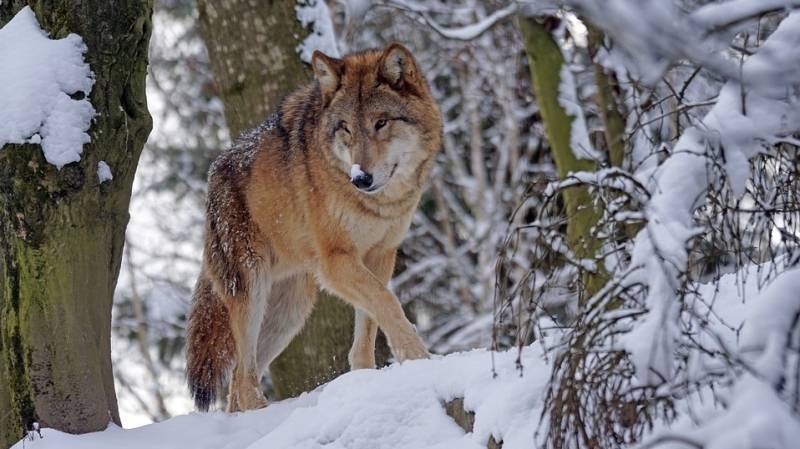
pixel 316 15
pixel 472 31
pixel 104 172
pixel 401 406
pixel 355 172
pixel 771 108
pixel 357 9
pixel 579 132
pixel 656 33
pixel 718 14
pixel 682 180
pixel 754 414
pixel 769 323
pixel 37 77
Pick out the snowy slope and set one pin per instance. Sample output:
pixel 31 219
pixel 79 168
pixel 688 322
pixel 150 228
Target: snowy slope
pixel 401 406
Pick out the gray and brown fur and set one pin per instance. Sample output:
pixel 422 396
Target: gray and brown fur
pixel 283 218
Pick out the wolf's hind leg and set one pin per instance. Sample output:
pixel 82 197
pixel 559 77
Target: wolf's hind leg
pixel 246 315
pixel 288 307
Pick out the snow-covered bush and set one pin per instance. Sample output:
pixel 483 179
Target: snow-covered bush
pixel 706 199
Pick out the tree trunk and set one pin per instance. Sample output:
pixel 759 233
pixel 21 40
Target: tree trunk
pixel 252 48
pixel 62 233
pixel 545 61
pixel 613 121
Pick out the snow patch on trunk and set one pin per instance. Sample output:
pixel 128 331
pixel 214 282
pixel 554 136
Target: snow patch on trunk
pixel 44 89
pixel 579 131
pixel 104 172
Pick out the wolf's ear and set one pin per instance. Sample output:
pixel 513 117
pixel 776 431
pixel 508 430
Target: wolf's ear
pixel 328 71
pixel 398 67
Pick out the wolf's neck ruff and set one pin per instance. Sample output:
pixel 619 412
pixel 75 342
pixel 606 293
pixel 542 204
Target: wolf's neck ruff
pixel 288 212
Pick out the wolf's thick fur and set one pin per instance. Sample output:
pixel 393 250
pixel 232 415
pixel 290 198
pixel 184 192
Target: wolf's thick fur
pixel 283 216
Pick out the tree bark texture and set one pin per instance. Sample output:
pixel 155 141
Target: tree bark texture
pixel 545 61
pixel 62 232
pixel 252 48
pixel 613 121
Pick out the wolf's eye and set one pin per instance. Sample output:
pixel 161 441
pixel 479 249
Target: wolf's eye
pixel 342 125
pixel 380 124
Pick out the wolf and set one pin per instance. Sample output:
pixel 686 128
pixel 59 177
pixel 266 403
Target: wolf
pixel 320 195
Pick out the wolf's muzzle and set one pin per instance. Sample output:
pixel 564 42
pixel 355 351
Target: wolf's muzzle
pixel 363 181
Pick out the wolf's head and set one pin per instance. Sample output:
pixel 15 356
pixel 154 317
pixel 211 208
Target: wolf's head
pixel 379 124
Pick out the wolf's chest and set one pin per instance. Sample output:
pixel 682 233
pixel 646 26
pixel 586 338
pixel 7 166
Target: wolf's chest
pixel 373 232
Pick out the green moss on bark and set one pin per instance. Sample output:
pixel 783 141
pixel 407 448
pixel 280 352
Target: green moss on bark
pixel 545 61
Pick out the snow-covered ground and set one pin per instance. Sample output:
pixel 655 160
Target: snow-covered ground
pixel 401 406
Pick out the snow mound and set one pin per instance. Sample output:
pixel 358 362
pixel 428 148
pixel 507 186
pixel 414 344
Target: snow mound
pixel 104 172
pixel 401 406
pixel 754 410
pixel 37 77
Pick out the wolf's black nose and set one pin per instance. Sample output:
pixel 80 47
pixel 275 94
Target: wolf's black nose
pixel 363 180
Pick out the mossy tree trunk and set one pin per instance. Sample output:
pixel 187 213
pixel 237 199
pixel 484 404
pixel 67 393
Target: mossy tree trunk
pixel 545 61
pixel 62 232
pixel 252 48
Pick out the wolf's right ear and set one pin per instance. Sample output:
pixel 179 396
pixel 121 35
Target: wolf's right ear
pixel 328 71
pixel 398 68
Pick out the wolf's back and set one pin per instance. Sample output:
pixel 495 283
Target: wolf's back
pixel 209 345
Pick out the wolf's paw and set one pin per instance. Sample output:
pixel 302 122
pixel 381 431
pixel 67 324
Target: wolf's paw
pixel 250 399
pixel 259 401
pixel 361 361
pixel 411 351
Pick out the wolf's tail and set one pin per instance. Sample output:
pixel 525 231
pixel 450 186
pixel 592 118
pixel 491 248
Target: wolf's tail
pixel 209 345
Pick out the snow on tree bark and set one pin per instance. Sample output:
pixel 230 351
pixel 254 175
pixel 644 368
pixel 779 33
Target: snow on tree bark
pixel 62 233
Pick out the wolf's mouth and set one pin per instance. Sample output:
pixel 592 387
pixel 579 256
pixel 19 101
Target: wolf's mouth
pixel 377 188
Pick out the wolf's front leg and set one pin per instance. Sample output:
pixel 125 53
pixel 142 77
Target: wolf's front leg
pixel 380 262
pixel 348 277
